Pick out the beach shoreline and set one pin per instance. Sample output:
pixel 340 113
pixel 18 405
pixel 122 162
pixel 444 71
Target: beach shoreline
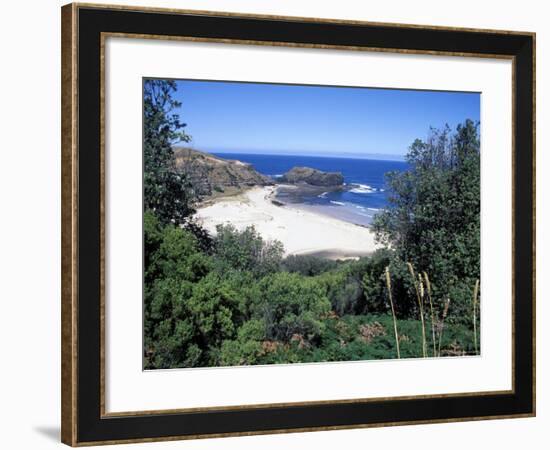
pixel 302 231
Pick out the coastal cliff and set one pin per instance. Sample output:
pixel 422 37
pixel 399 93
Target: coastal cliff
pixel 211 175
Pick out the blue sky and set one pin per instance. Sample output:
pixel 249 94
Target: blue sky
pixel 231 117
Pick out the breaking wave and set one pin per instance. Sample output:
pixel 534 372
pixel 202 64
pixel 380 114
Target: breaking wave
pixel 363 189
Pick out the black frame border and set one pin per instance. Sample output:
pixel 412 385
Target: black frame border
pixel 90 425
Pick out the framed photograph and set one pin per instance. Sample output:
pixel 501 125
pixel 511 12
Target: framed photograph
pixel 281 224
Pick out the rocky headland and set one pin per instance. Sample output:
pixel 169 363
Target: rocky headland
pixel 312 177
pixel 214 176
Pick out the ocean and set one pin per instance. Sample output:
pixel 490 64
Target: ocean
pixel 365 190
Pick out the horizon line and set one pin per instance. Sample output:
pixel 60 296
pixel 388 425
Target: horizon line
pixel 375 156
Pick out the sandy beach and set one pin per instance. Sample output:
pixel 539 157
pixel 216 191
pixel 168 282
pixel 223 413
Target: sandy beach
pixel 301 232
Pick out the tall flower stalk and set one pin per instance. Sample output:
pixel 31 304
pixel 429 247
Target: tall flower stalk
pixel 474 308
pixel 388 285
pixel 445 311
pixel 429 292
pixel 418 288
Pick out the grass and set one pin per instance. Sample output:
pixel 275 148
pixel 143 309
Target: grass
pixel 345 339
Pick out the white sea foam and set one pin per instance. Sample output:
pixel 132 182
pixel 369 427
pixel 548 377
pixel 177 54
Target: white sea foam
pixel 323 195
pixel 363 189
pixel 337 203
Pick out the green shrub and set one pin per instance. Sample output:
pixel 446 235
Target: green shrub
pixel 247 347
pixel 308 265
pixel 246 250
pixel 292 305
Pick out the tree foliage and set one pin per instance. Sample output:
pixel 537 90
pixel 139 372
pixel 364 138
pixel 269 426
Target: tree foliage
pixel 246 250
pixel 433 217
pixel 173 265
pixel 166 192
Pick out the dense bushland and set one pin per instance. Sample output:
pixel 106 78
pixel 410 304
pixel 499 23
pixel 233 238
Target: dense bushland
pixel 245 304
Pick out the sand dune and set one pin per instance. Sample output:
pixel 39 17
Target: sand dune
pixel 301 232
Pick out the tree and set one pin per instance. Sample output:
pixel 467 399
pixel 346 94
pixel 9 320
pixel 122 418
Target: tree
pixel 246 250
pixel 214 307
pixel 433 217
pixel 173 266
pixel 166 192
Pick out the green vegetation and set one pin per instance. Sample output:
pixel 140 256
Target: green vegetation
pixel 234 299
pixel 166 192
pixel 433 218
pixel 242 305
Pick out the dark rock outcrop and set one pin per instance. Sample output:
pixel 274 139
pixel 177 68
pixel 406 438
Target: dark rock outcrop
pixel 313 177
pixel 209 174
